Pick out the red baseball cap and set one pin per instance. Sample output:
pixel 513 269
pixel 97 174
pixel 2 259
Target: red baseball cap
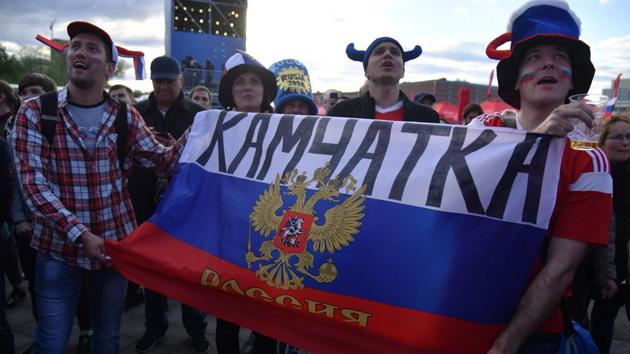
pixel 77 27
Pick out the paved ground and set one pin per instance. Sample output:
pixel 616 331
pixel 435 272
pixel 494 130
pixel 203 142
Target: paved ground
pixel 177 341
pixel 621 337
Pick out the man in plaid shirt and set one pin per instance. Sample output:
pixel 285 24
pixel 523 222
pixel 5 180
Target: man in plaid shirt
pixel 77 190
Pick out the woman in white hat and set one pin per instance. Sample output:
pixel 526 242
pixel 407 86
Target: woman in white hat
pixel 246 86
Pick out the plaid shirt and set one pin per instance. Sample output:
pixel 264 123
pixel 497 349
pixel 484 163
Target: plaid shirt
pixel 70 189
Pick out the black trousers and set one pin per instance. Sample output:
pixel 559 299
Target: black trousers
pixel 227 340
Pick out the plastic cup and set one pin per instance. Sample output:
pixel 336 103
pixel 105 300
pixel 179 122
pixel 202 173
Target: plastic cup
pixel 582 137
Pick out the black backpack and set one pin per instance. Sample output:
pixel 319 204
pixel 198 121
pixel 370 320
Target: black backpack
pixel 49 119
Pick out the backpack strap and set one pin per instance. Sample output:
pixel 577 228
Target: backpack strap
pixel 122 128
pixel 49 117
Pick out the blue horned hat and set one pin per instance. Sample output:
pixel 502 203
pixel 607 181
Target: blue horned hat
pixel 364 55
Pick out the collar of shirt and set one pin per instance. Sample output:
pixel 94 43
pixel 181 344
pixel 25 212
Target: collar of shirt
pixel 391 108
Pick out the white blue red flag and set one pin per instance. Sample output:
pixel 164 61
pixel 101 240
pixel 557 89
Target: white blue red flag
pixel 610 106
pixel 139 69
pixel 351 235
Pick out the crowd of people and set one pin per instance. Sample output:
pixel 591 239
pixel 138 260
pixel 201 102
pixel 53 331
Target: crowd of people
pixel 79 166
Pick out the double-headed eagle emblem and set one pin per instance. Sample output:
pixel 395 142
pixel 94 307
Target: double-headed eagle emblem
pixel 299 224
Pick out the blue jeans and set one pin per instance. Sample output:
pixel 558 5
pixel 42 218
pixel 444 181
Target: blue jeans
pixel 58 286
pixel 155 307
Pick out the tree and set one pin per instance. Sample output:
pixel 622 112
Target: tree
pixel 121 68
pixel 9 66
pixel 13 67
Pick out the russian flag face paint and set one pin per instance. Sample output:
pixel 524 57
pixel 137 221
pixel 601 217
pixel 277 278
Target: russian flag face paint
pixel 545 60
pixel 566 74
pixel 545 75
pixel 87 60
pixel 526 77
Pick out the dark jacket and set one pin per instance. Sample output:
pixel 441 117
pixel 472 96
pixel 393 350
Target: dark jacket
pixel 143 185
pixel 363 107
pixel 620 172
pixel 7 180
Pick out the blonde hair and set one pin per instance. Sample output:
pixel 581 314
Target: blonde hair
pixel 619 117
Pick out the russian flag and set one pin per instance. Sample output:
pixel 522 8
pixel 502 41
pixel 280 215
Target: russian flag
pixel 349 235
pixel 610 108
pixel 139 70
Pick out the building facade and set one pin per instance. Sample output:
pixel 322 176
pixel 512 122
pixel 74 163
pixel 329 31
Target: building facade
pixel 202 35
pixel 445 90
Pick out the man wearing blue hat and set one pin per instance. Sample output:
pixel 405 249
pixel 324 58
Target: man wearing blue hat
pixel 544 66
pixel 384 66
pixel 169 114
pixel 294 88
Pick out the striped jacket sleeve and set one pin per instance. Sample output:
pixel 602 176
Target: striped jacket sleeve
pixel 585 204
pixel 146 151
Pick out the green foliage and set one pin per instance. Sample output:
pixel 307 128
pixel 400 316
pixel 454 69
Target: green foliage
pixel 13 68
pixel 121 68
pixel 9 67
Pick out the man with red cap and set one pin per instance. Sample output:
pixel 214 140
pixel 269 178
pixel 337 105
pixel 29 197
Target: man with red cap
pixel 74 150
pixel 384 66
pixel 544 66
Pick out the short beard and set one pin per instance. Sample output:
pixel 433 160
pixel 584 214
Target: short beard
pixel 81 83
pixel 385 80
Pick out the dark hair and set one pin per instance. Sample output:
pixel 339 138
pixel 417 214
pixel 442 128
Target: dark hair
pixel 12 100
pixel 119 86
pixel 472 108
pixel 200 88
pixel 265 106
pixel 37 79
pixel 426 97
pixel 108 50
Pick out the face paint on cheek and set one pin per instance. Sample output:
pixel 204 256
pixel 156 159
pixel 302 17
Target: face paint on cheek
pixel 566 74
pixel 526 77
pixel 94 58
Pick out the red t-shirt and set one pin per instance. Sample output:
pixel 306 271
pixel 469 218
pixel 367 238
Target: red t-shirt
pixel 583 203
pixel 395 112
pixel 488 120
